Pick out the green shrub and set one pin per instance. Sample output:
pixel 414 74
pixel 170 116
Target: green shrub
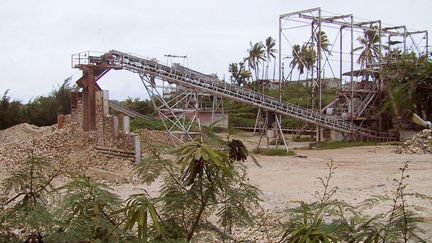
pixel 139 123
pixel 274 152
pixel 302 139
pixel 331 220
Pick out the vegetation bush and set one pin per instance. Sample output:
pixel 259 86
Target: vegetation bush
pixel 11 112
pixel 302 139
pixel 274 152
pixel 409 85
pixel 330 220
pixel 144 107
pixel 138 123
pixel 42 111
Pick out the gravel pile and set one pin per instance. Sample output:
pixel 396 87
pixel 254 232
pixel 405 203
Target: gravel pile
pixel 22 132
pixel 421 143
pixel 69 148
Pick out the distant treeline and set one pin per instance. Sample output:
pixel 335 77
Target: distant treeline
pixel 43 110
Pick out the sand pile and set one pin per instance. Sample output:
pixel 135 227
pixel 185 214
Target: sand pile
pixel 421 143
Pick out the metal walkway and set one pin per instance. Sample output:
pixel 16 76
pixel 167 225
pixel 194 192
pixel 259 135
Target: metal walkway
pixel 195 80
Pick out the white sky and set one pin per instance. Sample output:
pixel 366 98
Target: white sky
pixel 37 38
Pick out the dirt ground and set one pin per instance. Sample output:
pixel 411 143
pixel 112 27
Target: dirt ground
pixel 361 172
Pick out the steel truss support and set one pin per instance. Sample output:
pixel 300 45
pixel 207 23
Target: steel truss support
pixel 218 106
pixel 178 113
pixel 275 128
pixel 258 121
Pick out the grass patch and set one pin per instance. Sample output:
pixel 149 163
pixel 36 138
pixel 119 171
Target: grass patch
pixel 303 139
pixel 340 144
pixel 139 123
pixel 274 152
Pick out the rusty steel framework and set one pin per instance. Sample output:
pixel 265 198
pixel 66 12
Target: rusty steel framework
pixel 340 55
pixel 177 106
pixel 94 67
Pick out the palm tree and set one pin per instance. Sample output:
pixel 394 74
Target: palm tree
pixel 270 51
pixel 239 74
pixel 297 60
pixel 308 57
pixel 303 57
pixel 256 55
pixel 370 46
pixel 325 44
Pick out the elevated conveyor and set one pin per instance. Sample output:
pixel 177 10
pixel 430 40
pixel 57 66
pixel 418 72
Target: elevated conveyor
pixel 197 81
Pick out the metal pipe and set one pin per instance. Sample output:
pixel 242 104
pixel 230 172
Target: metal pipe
pixel 380 73
pixel 280 58
pixel 319 71
pixel 319 61
pixel 312 76
pixel 352 70
pixel 404 38
pixel 340 54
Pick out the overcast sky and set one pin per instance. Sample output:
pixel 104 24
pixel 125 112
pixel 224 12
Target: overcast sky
pixel 37 38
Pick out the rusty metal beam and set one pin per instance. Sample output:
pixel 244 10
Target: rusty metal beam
pixel 88 83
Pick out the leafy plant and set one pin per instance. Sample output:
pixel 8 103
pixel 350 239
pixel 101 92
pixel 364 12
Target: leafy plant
pixel 331 220
pixel 274 152
pixel 25 205
pixel 87 212
pixel 205 179
pixel 138 210
pixel 308 222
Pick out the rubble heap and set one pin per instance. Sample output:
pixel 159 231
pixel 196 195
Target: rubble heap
pixel 22 132
pixel 421 143
pixel 70 148
pixel 154 138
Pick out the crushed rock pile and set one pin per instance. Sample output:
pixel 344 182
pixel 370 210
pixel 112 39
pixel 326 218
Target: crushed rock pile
pixel 70 148
pixel 421 143
pixel 154 138
pixel 23 132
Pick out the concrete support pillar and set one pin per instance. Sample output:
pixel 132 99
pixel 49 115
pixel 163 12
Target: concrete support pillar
pixel 126 124
pixel 60 121
pixel 115 126
pixel 137 149
pixel 105 102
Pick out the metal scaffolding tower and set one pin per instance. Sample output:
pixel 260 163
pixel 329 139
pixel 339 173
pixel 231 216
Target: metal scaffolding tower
pixel 338 58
